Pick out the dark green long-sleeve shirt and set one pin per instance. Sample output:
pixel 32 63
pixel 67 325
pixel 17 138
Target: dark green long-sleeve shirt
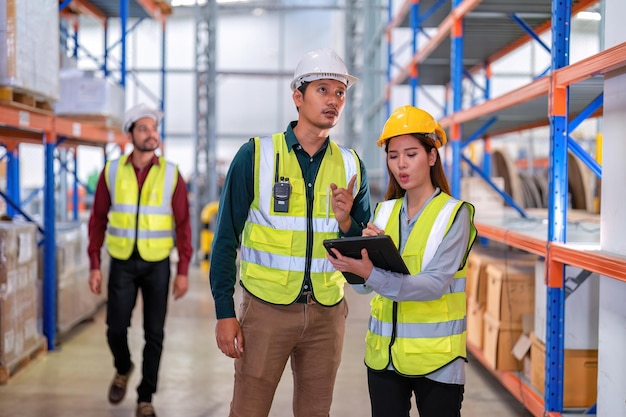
pixel 238 194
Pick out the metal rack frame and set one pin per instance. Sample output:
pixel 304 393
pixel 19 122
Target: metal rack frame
pixel 23 124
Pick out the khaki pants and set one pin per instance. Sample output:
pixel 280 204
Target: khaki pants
pixel 310 334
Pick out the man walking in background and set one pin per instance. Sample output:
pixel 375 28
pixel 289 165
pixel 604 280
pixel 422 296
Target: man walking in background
pixel 141 204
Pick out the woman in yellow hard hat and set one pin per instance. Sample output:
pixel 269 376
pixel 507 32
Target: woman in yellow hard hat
pixel 415 343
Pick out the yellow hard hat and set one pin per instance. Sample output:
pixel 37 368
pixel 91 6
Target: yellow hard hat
pixel 406 120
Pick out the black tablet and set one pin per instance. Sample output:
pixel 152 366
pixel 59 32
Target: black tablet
pixel 381 250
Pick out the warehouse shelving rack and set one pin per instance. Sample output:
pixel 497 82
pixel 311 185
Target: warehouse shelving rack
pixel 21 123
pixel 561 99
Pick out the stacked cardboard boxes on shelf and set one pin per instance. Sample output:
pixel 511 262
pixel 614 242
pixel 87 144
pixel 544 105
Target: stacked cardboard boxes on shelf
pixel 510 297
pixel 19 293
pixel 477 283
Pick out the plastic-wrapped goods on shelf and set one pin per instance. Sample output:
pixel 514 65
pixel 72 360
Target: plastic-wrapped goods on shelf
pixel 19 294
pixel 29 51
pixel 91 99
pixel 75 302
pixel 487 202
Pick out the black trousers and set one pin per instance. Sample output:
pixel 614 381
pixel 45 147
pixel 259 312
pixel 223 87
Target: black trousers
pixel 126 278
pixel 390 395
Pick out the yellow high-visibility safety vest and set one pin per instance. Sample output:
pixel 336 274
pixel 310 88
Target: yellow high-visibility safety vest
pixel 145 220
pixel 420 336
pixel 277 248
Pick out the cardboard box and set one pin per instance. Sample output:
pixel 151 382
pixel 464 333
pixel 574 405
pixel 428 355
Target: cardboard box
pixel 18 243
pixel 475 312
pixel 482 256
pixel 580 374
pixel 498 344
pixel 510 293
pixel 581 307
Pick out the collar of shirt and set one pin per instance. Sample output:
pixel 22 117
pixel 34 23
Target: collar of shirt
pixel 154 161
pixel 404 209
pixel 292 140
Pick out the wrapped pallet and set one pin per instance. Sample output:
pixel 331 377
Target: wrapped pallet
pixel 29 48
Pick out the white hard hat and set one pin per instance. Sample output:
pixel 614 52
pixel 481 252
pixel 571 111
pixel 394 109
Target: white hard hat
pixel 321 64
pixel 138 112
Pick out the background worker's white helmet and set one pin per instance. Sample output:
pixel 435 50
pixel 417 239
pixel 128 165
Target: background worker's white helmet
pixel 138 112
pixel 321 64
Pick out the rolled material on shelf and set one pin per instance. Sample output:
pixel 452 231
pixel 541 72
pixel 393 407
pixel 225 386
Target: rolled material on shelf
pixel 504 166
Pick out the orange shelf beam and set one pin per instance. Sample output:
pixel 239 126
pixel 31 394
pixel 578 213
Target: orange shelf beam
pixel 20 118
pixel 511 238
pixel 87 133
pixel 599 64
pixel 603 263
pixel 158 9
pixel 535 89
pixel 401 15
pixel 443 31
pixel 526 395
pixel 88 9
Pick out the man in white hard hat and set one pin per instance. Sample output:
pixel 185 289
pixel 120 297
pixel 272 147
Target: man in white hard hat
pixel 141 207
pixel 283 195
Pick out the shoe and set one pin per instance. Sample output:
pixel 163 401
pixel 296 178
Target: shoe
pixel 145 410
pixel 117 390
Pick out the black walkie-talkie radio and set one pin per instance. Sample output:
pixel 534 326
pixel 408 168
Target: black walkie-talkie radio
pixel 282 192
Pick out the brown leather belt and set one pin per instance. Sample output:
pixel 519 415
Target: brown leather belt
pixel 305 298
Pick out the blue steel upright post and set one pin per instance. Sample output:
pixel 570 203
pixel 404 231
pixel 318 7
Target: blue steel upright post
pixel 123 23
pixel 456 77
pixel 49 257
pixel 413 74
pixel 13 177
pixel 557 205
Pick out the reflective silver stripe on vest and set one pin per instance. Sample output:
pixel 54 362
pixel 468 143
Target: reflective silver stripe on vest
pixel 131 209
pixel 285 263
pixel 384 213
pixel 266 182
pixel 418 330
pixel 293 223
pixel 142 234
pixel 438 231
pixel 112 174
pixel 349 165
